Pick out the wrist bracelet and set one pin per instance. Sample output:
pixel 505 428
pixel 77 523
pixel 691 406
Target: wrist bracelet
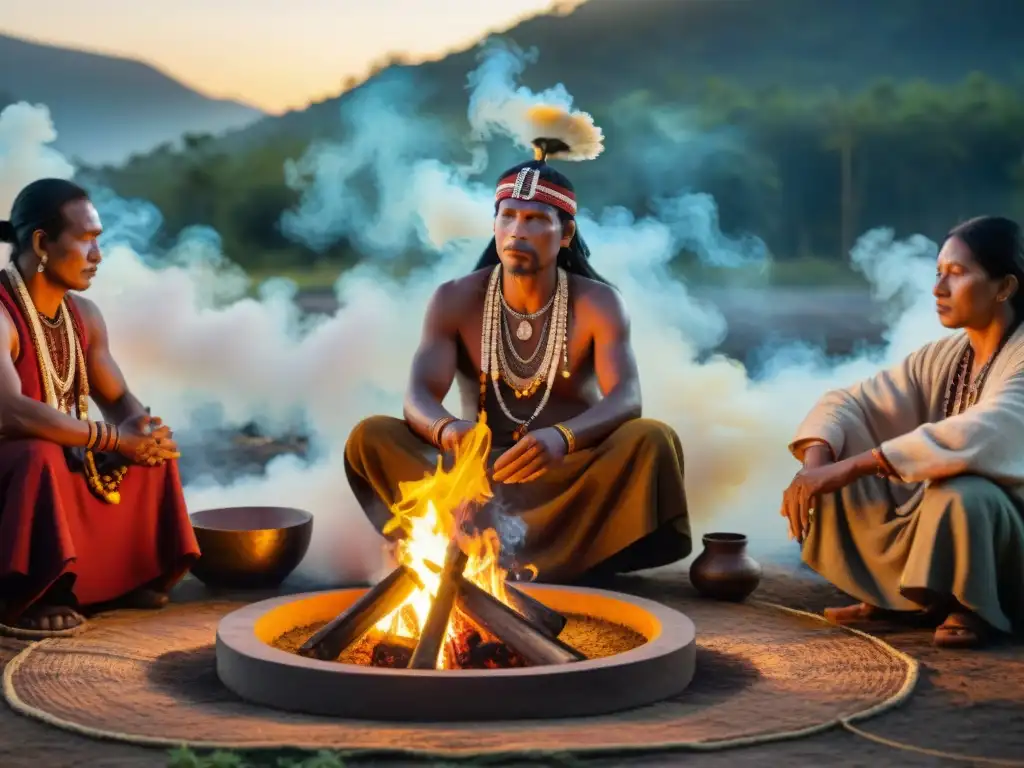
pixel 92 436
pixel 438 427
pixel 107 436
pixel 570 438
pixel 885 469
pixel 432 430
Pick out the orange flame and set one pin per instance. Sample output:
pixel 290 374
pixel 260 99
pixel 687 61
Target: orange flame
pixel 429 512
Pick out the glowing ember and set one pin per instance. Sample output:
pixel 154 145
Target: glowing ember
pixel 432 512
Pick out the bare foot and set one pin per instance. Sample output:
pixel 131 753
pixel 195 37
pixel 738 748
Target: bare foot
pixel 857 614
pixel 962 629
pixel 50 618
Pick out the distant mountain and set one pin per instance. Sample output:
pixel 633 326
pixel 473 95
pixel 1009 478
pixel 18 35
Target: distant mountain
pixel 608 48
pixel 793 43
pixel 107 108
pixel 652 72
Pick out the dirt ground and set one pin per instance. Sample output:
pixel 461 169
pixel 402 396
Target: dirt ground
pixel 970 703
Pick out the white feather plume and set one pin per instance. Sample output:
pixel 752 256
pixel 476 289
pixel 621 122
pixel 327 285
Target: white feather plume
pixel 575 129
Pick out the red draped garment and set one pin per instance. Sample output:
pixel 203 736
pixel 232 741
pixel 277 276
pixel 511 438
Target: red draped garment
pixel 52 525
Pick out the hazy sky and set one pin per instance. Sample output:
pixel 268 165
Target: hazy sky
pixel 274 54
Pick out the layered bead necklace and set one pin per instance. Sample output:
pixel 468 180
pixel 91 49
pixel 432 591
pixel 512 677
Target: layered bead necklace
pixel 57 389
pixel 501 362
pixel 962 393
pixel 524 331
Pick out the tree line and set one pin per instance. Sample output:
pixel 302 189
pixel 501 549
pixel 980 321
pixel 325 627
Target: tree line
pixel 806 170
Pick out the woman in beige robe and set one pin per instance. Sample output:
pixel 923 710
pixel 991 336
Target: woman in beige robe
pixel 912 487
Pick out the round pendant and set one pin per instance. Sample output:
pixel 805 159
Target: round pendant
pixel 524 331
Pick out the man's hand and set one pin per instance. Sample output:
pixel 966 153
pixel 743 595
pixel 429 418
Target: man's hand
pixel 801 496
pixel 146 440
pixel 452 434
pixel 531 457
pixel 146 425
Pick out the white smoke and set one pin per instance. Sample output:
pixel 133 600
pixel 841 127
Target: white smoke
pixel 25 132
pixel 186 336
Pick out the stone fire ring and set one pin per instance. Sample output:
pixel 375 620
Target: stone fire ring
pixel 256 671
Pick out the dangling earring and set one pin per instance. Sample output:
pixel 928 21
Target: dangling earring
pixel 42 264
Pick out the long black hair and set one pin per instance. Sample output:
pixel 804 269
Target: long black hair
pixel 575 258
pixel 997 244
pixel 40 205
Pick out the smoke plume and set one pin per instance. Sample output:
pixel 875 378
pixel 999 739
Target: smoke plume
pixel 202 354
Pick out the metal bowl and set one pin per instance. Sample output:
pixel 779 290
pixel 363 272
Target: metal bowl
pixel 250 547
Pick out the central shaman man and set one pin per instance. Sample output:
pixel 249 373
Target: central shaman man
pixel 541 343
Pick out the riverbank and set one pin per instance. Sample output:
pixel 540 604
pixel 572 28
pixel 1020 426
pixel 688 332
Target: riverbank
pixel 835 319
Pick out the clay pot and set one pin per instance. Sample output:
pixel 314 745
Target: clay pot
pixel 724 570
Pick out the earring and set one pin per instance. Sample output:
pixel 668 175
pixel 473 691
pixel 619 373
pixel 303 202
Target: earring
pixel 42 265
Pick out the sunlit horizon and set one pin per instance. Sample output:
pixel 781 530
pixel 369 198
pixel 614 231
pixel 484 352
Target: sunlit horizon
pixel 285 56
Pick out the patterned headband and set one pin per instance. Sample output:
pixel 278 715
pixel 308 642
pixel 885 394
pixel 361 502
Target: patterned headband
pixel 528 185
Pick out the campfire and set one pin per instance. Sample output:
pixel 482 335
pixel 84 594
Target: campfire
pixel 448 603
pixel 450 606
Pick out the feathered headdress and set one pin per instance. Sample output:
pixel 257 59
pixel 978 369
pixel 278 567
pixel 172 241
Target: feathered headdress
pixel 558 135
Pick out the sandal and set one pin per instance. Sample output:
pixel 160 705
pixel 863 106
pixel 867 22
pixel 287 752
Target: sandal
pixel 873 617
pixel 962 630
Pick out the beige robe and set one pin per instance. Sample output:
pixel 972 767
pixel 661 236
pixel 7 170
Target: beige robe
pixel 953 526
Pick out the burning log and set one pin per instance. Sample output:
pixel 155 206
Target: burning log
pixel 412 621
pixel 393 653
pixel 435 628
pixel 328 643
pixel 547 619
pixel 518 633
pixel 470 651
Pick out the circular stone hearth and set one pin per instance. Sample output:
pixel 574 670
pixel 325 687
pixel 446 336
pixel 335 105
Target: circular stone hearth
pixel 252 668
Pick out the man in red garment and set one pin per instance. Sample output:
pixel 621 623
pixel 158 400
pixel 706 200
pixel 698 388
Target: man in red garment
pixel 91 512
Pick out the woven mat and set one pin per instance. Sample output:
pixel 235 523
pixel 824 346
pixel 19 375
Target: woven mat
pixel 763 674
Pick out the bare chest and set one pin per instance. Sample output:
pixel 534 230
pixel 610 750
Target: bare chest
pixel 523 345
pixel 517 391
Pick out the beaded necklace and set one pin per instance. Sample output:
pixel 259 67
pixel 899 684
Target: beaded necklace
pixel 962 393
pixel 57 388
pixel 495 365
